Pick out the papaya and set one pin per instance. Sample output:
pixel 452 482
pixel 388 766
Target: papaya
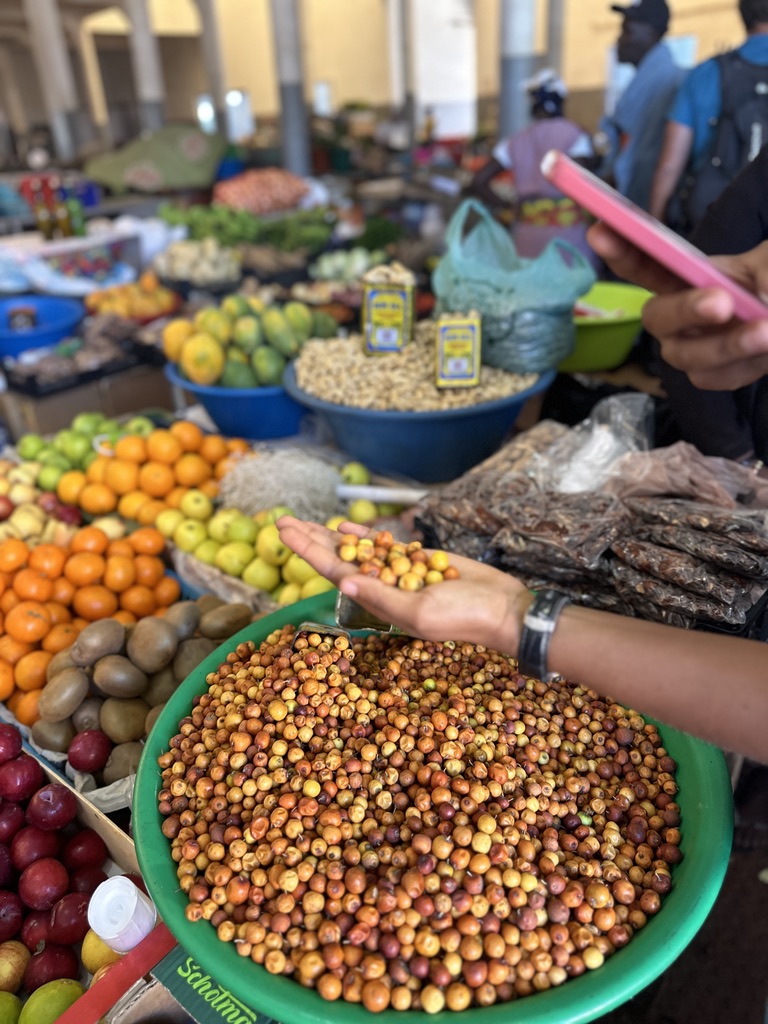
pixel 279 333
pixel 237 374
pixel 246 333
pixel 299 318
pixel 268 365
pixel 324 325
pixel 202 359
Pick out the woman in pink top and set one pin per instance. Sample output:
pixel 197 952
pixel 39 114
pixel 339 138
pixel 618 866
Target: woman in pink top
pixel 541 213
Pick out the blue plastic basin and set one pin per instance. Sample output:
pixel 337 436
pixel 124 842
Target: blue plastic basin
pixel 431 447
pixel 56 319
pixel 253 413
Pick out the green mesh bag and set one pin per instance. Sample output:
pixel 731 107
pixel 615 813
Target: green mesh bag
pixel 526 305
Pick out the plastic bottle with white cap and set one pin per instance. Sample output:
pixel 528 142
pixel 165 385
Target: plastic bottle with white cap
pixel 120 913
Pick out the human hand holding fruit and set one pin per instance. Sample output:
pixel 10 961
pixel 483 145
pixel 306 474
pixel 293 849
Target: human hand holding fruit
pixel 479 606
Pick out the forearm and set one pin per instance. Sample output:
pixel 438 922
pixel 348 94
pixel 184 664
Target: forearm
pixel 678 140
pixel 664 181
pixel 715 687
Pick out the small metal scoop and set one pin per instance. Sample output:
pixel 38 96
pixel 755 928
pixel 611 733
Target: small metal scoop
pixel 349 615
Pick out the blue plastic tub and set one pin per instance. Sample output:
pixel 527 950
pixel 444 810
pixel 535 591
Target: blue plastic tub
pixel 432 447
pixel 56 319
pixel 256 414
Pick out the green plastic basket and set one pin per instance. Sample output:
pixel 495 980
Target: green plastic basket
pixel 603 343
pixel 707 824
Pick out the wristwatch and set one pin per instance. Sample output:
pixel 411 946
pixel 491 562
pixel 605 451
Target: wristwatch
pixel 538 626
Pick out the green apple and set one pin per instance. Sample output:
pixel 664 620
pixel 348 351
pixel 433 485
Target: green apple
pixel 335 522
pixel 168 520
pixel 290 593
pixel 141 425
pixel 314 586
pixel 87 423
pixel 362 511
pixel 218 524
pixel 207 551
pixel 30 446
pixel 355 473
pixel 387 508
pixel 76 447
pixel 110 427
pixel 243 528
pixel 62 439
pixel 232 558
pixel 48 477
pixel 261 575
pixel 297 570
pixel 53 458
pixel 196 505
pixel 274 513
pixel 270 547
pixel 188 534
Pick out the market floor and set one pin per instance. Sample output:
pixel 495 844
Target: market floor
pixel 722 977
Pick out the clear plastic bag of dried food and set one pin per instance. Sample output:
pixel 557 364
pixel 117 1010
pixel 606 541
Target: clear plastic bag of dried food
pixel 633 584
pixel 684 570
pixel 583 459
pixel 564 529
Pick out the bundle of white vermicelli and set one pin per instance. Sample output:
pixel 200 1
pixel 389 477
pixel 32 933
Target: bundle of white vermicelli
pixel 285 476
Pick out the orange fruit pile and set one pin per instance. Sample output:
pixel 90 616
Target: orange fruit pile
pixel 144 476
pixel 49 593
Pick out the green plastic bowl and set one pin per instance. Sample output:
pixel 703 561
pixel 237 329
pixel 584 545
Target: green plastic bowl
pixel 707 823
pixel 603 343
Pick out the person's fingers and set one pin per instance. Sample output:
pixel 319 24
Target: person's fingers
pixel 736 375
pixel 665 316
pixel 400 607
pixel 316 545
pixel 629 263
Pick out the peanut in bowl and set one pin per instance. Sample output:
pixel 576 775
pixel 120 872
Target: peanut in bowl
pixel 704 809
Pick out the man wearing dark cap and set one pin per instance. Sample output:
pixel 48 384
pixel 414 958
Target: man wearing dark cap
pixel 636 128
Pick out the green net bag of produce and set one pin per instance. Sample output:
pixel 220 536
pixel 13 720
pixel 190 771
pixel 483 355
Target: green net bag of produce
pixel 526 305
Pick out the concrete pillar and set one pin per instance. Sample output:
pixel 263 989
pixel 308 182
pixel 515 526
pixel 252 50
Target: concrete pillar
pixel 94 84
pixel 147 66
pixel 404 27
pixel 396 53
pixel 210 40
pixel 555 34
pixel 55 71
pixel 13 100
pixel 6 140
pixel 518 59
pixel 294 129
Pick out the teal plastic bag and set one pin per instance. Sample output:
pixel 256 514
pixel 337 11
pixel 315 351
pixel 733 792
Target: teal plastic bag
pixel 526 305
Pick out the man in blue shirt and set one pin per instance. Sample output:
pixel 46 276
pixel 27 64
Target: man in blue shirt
pixel 636 129
pixel 692 124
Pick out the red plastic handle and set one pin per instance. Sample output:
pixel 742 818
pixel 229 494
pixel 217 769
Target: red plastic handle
pixel 95 1001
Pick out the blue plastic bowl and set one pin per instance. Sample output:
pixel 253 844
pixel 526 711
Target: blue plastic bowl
pixel 253 413
pixel 56 319
pixel 428 446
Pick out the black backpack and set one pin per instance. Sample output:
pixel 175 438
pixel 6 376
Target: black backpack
pixel 741 131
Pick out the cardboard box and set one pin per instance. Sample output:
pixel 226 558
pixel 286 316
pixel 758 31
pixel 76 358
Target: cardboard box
pixel 121 394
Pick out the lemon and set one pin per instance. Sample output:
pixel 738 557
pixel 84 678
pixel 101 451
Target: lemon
pixel 95 953
pixel 10 1008
pixel 47 1003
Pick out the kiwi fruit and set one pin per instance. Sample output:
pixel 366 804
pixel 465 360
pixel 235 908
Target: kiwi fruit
pixel 98 639
pixel 184 617
pixel 63 694
pixel 152 644
pixel 116 676
pixel 53 735
pixel 123 761
pixel 122 719
pixel 222 623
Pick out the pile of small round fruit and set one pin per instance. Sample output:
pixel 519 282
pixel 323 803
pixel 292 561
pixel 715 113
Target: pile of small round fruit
pixel 397 564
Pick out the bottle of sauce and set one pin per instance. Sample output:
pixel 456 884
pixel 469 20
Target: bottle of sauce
pixel 41 211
